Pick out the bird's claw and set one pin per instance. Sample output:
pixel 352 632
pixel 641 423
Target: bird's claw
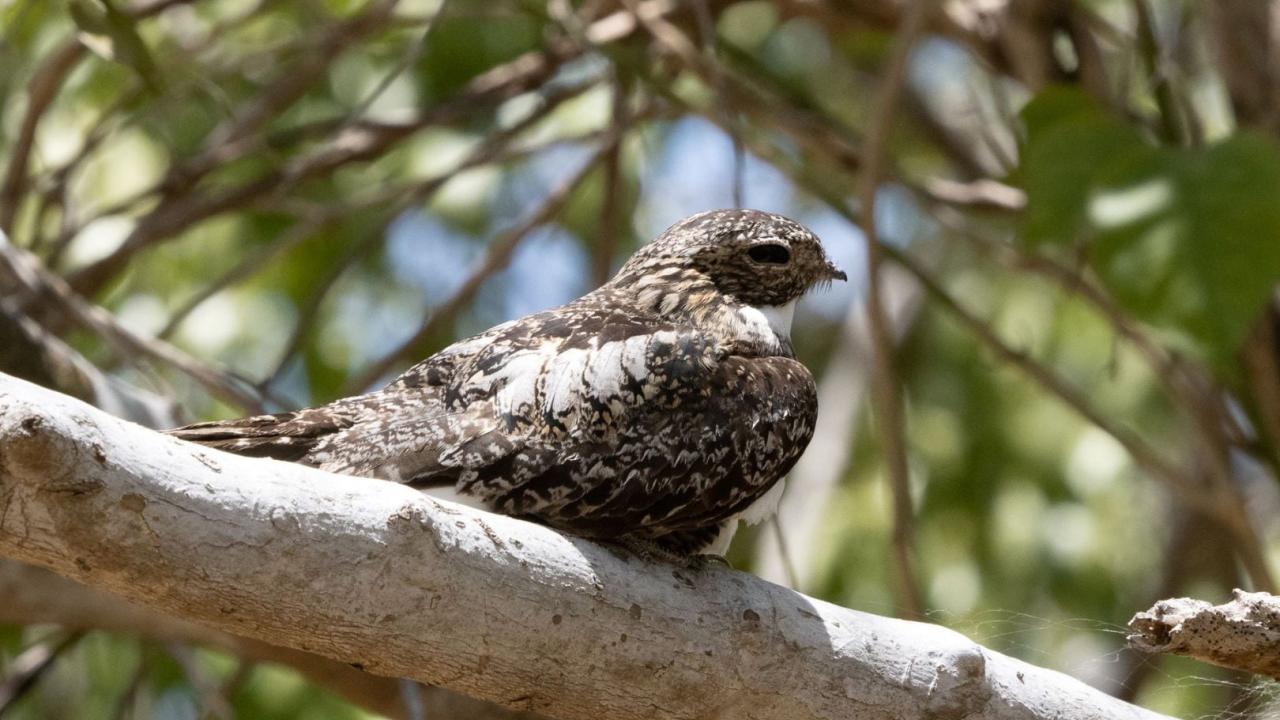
pixel 704 561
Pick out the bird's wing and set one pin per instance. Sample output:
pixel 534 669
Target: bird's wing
pixel 606 424
pixel 588 419
pixel 520 397
pixel 669 463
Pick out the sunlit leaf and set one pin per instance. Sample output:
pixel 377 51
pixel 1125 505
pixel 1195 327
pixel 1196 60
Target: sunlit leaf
pixel 1191 239
pixel 1186 239
pixel 1069 140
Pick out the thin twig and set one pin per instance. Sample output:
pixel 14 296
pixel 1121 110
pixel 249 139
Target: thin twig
pixel 398 200
pixel 1193 393
pixel 27 669
pixel 124 705
pixel 496 256
pixel 885 392
pixel 1149 51
pixel 784 553
pixel 813 130
pixel 30 279
pixel 806 128
pixel 411 696
pixel 182 207
pixel 610 204
pixel 253 262
pixel 1048 379
pixel 211 700
pixel 406 60
pixel 41 91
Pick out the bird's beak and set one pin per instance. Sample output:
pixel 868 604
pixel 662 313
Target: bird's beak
pixel 836 273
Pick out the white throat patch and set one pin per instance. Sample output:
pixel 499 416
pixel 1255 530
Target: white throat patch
pixel 768 322
pixel 779 317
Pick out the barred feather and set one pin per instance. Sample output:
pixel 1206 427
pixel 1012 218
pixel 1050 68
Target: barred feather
pixel 655 410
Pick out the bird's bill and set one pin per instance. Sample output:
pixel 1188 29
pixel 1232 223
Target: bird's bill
pixel 835 273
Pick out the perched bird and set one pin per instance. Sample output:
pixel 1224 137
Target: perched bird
pixel 654 412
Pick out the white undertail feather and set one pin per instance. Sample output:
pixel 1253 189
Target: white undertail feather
pixel 451 495
pixel 756 513
pixel 766 507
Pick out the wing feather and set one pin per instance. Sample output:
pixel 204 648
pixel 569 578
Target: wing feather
pixel 586 419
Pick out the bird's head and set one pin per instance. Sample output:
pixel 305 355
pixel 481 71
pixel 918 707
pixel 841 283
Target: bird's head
pixel 758 258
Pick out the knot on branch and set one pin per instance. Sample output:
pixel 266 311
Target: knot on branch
pixel 32 452
pixel 959 688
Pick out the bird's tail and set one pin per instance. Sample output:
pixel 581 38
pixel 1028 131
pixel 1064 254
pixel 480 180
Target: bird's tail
pixel 283 436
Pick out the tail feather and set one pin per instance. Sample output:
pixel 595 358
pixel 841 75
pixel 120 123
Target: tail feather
pixel 283 436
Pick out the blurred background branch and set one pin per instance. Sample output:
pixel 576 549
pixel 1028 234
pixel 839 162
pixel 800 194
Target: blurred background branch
pixel 215 208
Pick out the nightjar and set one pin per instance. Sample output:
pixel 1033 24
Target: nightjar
pixel 654 412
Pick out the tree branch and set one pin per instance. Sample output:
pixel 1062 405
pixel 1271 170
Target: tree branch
pixel 373 573
pixel 35 596
pixel 1243 634
pixel 886 396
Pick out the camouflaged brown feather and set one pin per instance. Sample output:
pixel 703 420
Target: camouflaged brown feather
pixel 654 411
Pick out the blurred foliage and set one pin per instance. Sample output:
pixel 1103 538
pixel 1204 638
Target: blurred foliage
pixel 1185 238
pixel 1035 530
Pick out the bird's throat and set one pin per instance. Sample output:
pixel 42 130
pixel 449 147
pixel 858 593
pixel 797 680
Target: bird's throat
pixel 779 317
pixel 767 326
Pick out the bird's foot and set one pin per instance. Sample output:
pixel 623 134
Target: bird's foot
pixel 652 551
pixel 704 561
pixel 656 552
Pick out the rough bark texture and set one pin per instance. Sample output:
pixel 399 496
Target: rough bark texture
pixel 377 575
pixel 35 595
pixel 1243 634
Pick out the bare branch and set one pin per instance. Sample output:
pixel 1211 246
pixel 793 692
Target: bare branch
pixel 36 596
pixel 183 205
pixel 1189 388
pixel 1246 35
pixel 885 393
pixel 24 277
pixel 1224 508
pixel 374 573
pixel 813 482
pixel 41 91
pixel 496 256
pixel 1243 634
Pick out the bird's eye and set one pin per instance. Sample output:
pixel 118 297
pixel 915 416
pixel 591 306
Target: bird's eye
pixel 770 253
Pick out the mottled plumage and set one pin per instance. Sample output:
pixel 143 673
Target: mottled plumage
pixel 654 411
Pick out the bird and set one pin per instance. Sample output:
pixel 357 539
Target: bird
pixel 655 412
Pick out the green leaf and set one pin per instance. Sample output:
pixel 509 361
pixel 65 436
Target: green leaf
pixel 462 47
pixel 1054 106
pixel 113 35
pixel 1059 169
pixel 1186 239
pixel 1069 140
pixel 1190 240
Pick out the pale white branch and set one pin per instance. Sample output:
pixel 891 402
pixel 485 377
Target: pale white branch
pixel 33 596
pixel 377 575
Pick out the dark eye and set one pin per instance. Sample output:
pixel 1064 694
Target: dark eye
pixel 770 253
